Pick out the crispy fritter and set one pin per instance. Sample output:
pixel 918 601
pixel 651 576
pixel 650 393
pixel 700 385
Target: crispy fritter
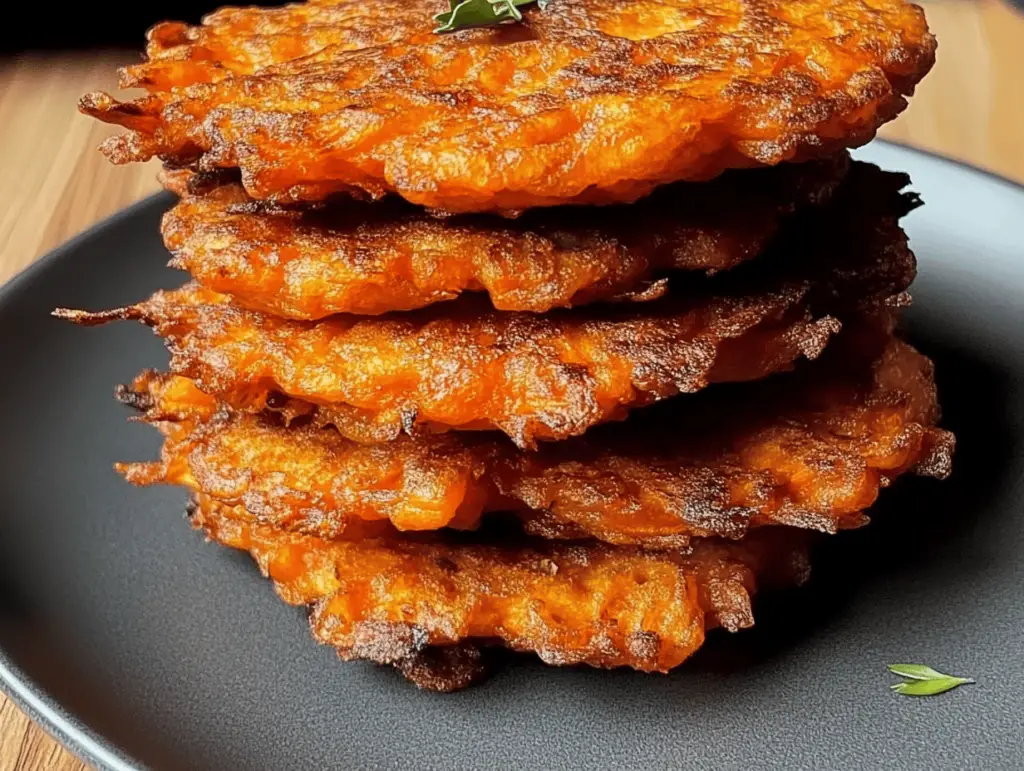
pixel 470 368
pixel 810 449
pixel 388 256
pixel 589 101
pixel 393 601
pixel 464 365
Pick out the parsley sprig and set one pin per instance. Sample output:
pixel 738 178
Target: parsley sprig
pixel 481 13
pixel 924 681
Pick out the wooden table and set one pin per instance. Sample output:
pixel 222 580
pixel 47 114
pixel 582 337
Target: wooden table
pixel 54 185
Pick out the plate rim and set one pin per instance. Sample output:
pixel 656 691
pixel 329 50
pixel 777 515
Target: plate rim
pixel 21 690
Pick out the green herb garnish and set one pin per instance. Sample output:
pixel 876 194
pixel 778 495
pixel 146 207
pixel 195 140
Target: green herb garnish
pixel 924 681
pixel 481 13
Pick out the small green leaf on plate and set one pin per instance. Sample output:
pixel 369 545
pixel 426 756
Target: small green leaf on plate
pixel 923 680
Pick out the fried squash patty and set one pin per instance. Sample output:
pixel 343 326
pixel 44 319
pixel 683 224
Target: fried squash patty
pixel 588 101
pixel 308 263
pixel 423 605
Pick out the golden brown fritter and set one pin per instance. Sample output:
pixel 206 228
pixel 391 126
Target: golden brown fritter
pixel 588 101
pixel 810 449
pixel 464 365
pixel 471 368
pixel 393 601
pixel 387 256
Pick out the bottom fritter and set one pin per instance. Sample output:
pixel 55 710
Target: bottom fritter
pixel 426 604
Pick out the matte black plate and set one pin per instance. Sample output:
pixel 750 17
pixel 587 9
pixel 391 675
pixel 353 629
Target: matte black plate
pixel 139 645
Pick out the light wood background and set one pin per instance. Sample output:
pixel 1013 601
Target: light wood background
pixel 53 183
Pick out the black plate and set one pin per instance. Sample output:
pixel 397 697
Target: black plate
pixel 139 645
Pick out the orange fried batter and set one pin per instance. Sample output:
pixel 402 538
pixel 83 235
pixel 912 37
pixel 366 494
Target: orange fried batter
pixel 588 101
pixel 464 365
pixel 239 41
pixel 810 450
pixel 390 601
pixel 387 256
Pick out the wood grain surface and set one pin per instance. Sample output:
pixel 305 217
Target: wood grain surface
pixel 54 184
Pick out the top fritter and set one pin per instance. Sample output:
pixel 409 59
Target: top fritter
pixel 588 101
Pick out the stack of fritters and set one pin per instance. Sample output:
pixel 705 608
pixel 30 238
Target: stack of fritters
pixel 427 269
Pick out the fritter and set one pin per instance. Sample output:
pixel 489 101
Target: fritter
pixel 372 258
pixel 589 101
pixel 464 365
pixel 471 368
pixel 810 450
pixel 398 601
